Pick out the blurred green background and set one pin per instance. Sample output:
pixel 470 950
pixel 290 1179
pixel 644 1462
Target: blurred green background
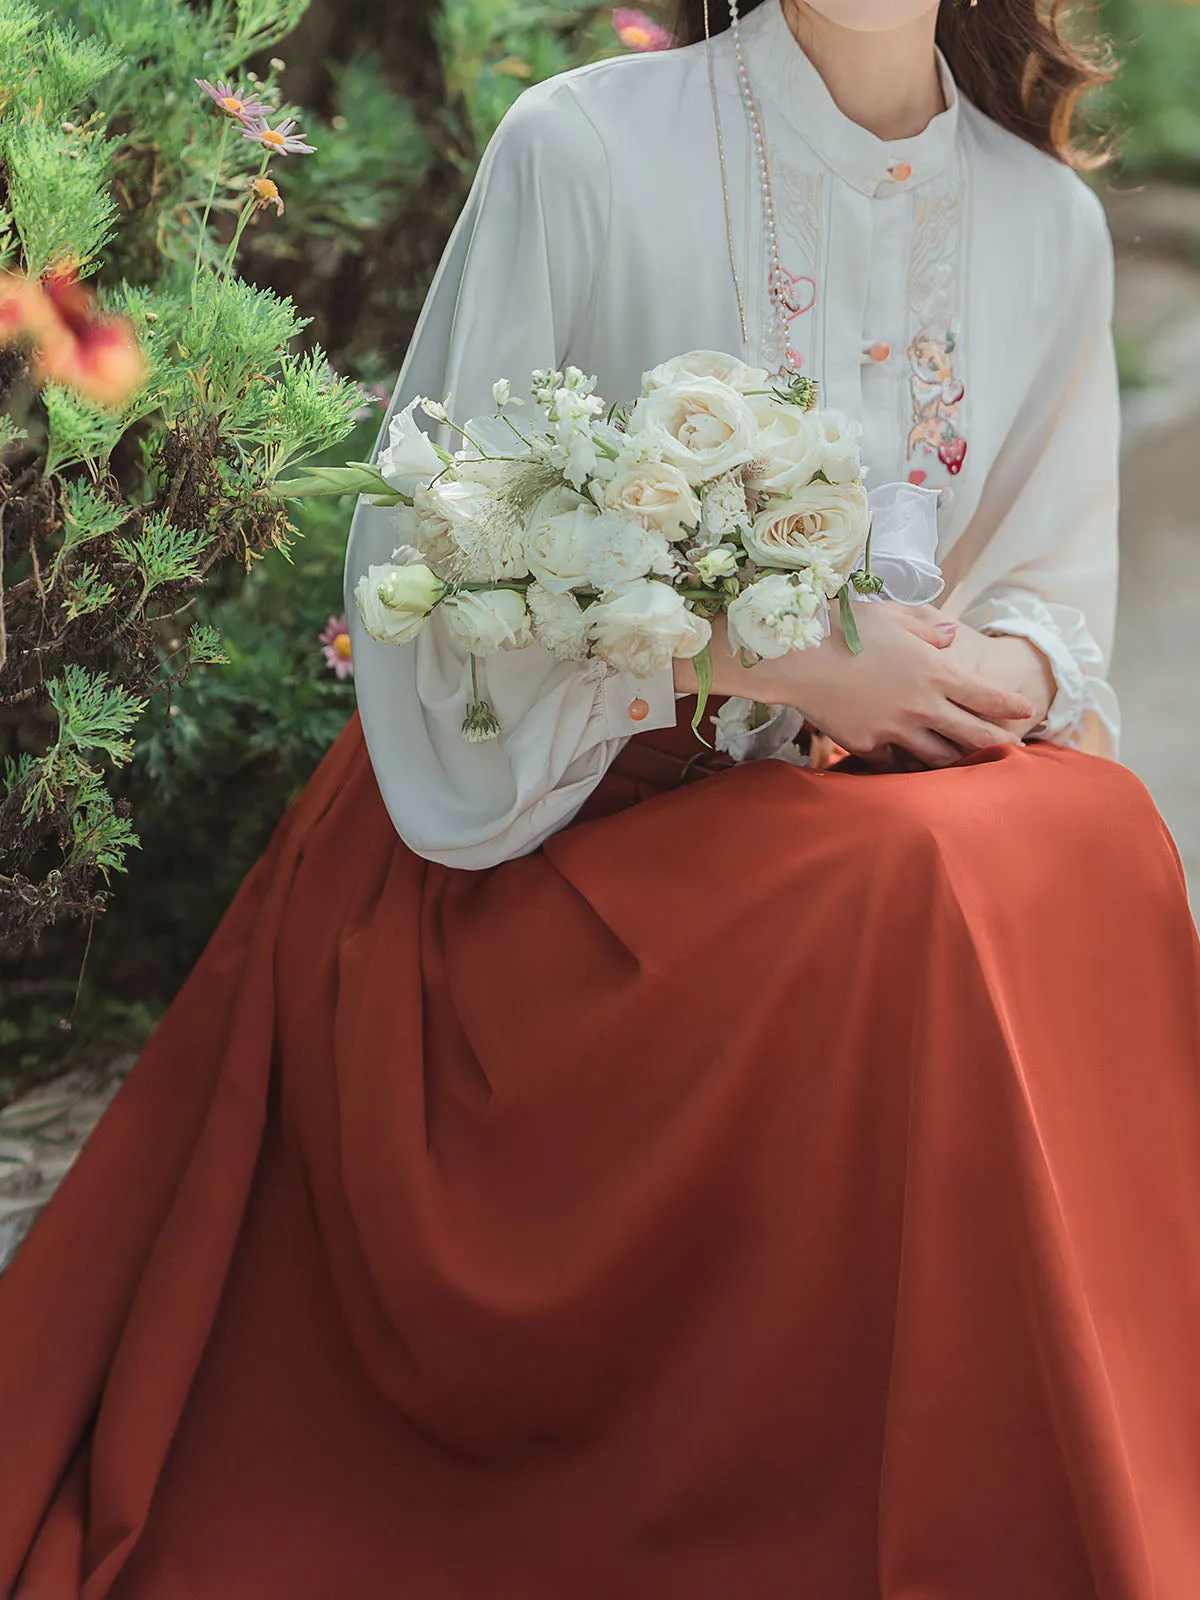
pixel 400 100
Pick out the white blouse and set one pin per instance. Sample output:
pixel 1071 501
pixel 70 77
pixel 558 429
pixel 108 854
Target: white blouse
pixel 953 291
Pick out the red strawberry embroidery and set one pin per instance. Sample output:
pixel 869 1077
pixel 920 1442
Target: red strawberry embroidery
pixel 917 476
pixel 952 452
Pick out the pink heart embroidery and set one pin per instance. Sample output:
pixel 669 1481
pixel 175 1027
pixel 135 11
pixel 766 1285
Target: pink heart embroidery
pixel 791 300
pixel 917 476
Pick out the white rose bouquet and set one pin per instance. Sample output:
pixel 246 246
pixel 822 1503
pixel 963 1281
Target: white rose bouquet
pixel 619 532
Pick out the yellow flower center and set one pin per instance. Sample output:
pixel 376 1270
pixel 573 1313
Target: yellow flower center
pixel 232 104
pixel 635 34
pixel 341 646
pixel 265 189
pixel 270 136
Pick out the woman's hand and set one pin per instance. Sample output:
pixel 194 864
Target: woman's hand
pixel 905 689
pixel 1012 663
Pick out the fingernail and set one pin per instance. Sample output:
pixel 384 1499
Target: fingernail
pixel 948 627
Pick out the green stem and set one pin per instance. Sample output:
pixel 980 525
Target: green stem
pixel 247 212
pixel 212 193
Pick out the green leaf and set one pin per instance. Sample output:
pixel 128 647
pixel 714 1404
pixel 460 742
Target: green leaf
pixel 849 625
pixel 702 662
pixel 357 479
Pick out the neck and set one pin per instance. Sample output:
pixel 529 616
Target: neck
pixel 887 80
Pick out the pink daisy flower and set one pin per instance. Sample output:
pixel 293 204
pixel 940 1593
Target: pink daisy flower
pixel 280 141
pixel 637 31
pixel 238 103
pixel 335 647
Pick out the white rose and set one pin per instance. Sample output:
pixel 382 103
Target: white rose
pixel 840 445
pixel 488 620
pixel 395 599
pixel 725 509
pixel 621 550
pixel 705 364
pixel 560 623
pixel 408 460
pixel 644 628
pixel 657 494
pixel 824 522
pixel 719 562
pixel 789 448
pixel 709 427
pixel 558 540
pixel 775 615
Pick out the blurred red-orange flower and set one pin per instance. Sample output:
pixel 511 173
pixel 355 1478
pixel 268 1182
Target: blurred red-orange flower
pixel 73 342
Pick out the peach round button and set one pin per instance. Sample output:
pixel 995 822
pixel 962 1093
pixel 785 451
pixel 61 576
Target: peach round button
pixel 879 352
pixel 901 172
pixel 638 710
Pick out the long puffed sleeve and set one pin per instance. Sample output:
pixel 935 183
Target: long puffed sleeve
pixel 513 293
pixel 1049 574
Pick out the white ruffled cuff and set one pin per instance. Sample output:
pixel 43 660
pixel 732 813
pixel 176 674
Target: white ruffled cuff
pixel 1084 711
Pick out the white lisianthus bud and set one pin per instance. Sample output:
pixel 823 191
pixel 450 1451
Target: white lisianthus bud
pixel 719 562
pixel 395 600
pixel 642 629
pixel 409 460
pixel 488 620
pixel 502 392
pixel 437 409
pixel 778 613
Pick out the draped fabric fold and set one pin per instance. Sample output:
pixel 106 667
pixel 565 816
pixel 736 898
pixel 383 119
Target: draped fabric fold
pixel 778 1184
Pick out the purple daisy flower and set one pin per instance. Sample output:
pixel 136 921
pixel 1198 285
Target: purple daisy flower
pixel 237 103
pixel 280 141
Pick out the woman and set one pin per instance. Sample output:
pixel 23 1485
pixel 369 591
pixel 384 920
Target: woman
pixel 561 1179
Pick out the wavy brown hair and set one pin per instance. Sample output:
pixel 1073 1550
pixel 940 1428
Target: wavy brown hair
pixel 1012 58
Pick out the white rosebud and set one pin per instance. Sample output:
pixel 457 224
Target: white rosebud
pixel 408 461
pixel 395 600
pixel 487 620
pixel 642 629
pixel 719 562
pixel 560 623
pixel 775 615
pixel 820 523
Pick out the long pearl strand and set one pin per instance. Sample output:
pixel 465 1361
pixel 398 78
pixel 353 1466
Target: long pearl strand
pixel 777 346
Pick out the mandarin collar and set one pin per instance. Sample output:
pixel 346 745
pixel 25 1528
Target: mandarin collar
pixel 782 77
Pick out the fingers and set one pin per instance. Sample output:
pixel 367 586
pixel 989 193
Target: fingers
pixel 997 705
pixel 972 733
pixel 928 624
pixel 931 749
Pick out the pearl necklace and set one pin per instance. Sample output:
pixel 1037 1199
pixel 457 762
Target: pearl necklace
pixel 777 345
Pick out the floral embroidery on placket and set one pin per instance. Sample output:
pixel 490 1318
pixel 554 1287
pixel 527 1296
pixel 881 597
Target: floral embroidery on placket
pixel 936 447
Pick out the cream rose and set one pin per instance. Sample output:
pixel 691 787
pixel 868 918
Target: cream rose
pixel 824 522
pixel 655 493
pixel 709 428
pixel 642 629
pixel 488 620
pixel 775 615
pixel 558 540
pixel 395 599
pixel 705 364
